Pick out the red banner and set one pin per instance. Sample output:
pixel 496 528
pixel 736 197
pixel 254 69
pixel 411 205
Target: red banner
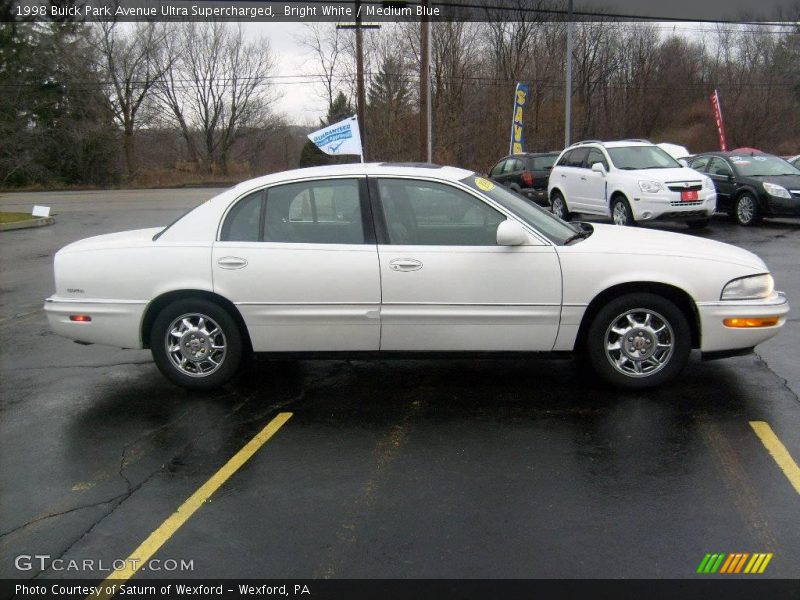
pixel 718 118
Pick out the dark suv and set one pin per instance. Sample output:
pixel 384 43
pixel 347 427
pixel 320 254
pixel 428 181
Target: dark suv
pixel 751 185
pixel 526 174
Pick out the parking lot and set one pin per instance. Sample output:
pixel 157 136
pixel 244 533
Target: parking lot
pixel 516 468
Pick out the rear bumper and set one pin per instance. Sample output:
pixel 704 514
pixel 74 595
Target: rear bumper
pixel 538 196
pixel 717 337
pixel 114 322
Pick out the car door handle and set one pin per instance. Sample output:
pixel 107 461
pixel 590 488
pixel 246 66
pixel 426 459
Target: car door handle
pixel 563 175
pixel 583 178
pixel 232 262
pixel 405 264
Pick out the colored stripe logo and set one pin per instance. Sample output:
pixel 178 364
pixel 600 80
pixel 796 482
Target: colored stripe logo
pixel 736 562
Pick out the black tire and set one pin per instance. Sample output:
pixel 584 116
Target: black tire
pixel 558 206
pixel 621 213
pixel 698 223
pixel 204 348
pixel 746 210
pixel 601 336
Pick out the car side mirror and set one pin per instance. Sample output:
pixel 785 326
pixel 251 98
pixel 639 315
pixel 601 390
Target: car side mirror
pixel 599 168
pixel 511 233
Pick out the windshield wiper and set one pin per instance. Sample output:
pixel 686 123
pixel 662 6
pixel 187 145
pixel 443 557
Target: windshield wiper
pixel 581 235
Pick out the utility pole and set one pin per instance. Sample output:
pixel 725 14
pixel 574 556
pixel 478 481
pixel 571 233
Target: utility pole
pixel 568 82
pixel 425 145
pixel 362 100
pixel 361 97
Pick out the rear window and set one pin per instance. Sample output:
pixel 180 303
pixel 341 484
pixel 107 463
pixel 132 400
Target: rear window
pixel 542 163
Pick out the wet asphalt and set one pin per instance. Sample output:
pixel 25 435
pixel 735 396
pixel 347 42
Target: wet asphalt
pixel 443 469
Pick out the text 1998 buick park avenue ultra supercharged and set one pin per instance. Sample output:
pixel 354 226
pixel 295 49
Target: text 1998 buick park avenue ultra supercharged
pixel 382 259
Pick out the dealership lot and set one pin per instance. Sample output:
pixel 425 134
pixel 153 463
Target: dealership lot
pixel 444 468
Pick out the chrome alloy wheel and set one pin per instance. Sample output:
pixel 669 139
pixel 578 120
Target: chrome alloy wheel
pixel 745 209
pixel 620 215
pixel 195 344
pixel 639 342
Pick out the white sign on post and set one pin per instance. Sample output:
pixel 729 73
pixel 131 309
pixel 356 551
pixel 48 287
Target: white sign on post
pixel 40 211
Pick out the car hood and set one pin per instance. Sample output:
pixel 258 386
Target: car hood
pixel 668 175
pixel 123 239
pixel 613 239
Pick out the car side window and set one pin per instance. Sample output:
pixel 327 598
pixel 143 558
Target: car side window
pixel 719 167
pixel 700 164
pixel 512 165
pixel 243 223
pixel 424 213
pixel 578 157
pixel 314 212
pixel 542 163
pixel 497 169
pixel 565 158
pixel 595 156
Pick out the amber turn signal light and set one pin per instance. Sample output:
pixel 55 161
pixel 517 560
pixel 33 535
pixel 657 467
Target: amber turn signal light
pixel 80 318
pixel 745 322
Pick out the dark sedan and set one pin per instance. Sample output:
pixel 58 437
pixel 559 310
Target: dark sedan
pixel 751 185
pixel 526 174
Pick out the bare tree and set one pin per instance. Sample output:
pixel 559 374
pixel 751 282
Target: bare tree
pixel 325 41
pixel 129 64
pixel 217 84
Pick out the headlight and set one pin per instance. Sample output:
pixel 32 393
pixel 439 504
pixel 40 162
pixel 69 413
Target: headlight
pixel 651 187
pixel 777 190
pixel 749 288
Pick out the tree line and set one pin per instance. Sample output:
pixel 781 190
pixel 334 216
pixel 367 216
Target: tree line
pixel 160 103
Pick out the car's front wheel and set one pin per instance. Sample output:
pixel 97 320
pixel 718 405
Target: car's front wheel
pixel 621 212
pixel 196 344
pixel 746 211
pixel 639 341
pixel 559 207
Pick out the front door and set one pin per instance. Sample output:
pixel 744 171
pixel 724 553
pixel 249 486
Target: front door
pixel 300 263
pixel 447 285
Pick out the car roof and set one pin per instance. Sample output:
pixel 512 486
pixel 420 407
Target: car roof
pixel 612 144
pixel 729 153
pixel 425 170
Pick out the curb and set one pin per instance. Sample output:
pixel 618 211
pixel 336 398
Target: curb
pixel 27 224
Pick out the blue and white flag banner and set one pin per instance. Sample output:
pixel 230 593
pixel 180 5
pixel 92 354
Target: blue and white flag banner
pixel 343 137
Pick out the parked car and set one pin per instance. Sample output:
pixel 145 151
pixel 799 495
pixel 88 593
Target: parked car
pixel 526 174
pixel 794 161
pixel 385 260
pixel 752 186
pixel 631 181
pixel 675 151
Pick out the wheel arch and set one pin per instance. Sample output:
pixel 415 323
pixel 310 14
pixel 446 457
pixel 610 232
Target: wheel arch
pixel 749 189
pixel 617 193
pixel 160 302
pixel 556 190
pixel 676 295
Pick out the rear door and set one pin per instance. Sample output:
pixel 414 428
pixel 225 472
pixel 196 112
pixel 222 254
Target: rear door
pixel 447 285
pixel 299 261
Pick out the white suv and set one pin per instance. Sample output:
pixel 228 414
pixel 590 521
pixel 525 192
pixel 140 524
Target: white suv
pixel 629 181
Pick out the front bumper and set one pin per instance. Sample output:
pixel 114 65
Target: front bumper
pixel 783 207
pixel 717 337
pixel 114 322
pixel 668 206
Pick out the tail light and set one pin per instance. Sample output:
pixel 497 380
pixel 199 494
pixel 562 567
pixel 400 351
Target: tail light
pixel 527 178
pixel 80 318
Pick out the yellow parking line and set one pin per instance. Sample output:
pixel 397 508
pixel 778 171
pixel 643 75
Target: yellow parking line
pixel 157 539
pixel 778 452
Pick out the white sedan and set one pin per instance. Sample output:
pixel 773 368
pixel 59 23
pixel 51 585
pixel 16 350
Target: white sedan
pixel 400 259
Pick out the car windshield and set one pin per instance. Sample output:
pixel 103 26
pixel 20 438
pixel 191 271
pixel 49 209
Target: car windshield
pixel 553 228
pixel 762 166
pixel 633 158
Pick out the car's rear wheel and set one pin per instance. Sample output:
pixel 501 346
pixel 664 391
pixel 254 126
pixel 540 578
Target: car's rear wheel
pixel 559 207
pixel 746 211
pixel 621 212
pixel 196 344
pixel 698 223
pixel 639 341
